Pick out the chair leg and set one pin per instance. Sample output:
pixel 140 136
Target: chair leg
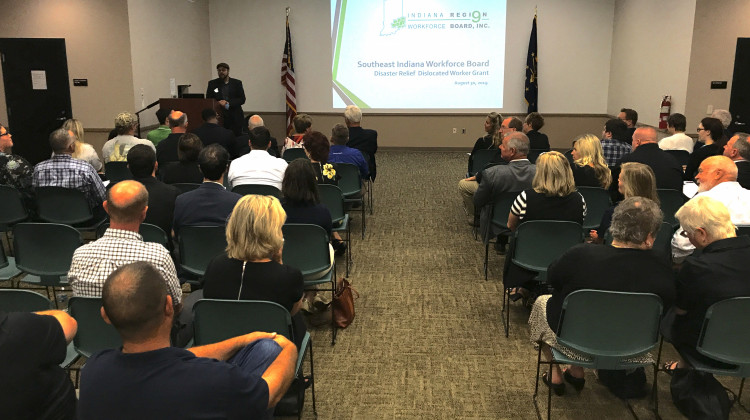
pixel 654 391
pixel 312 379
pixel 538 365
pixel 486 258
pixel 506 309
pixel 364 226
pixel 348 248
pixel 54 297
pixel 334 330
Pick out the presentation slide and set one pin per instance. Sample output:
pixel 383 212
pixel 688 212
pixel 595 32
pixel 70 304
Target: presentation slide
pixel 418 54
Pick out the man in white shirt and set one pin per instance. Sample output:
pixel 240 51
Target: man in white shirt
pixel 258 166
pixel 678 140
pixel 717 178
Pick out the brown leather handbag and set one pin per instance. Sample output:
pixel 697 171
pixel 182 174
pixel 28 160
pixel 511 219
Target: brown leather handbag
pixel 343 303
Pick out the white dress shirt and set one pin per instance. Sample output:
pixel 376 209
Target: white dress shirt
pixel 257 167
pixel 677 141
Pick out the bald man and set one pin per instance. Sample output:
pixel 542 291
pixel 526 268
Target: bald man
pixel 166 150
pixel 126 204
pixel 716 178
pixel 646 150
pixel 242 142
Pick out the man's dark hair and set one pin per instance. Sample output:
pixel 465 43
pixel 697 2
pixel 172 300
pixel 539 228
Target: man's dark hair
pixel 677 121
pixel 617 127
pixel 188 147
pixel 339 134
pixel 141 161
pixel 213 161
pixel 222 65
pixel 300 187
pixel 207 114
pixel 260 138
pixel 134 297
pixel 516 124
pixel 316 143
pixel 535 120
pixel 162 115
pixel 630 114
pixel 715 129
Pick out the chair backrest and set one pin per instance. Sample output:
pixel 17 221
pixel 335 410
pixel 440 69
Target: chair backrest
pixel 13 210
pixel 17 300
pixel 93 333
pixel 257 189
pixel 306 248
pixel 153 233
pixel 295 153
pixel 533 154
pixel 501 208
pixel 682 156
pixel 332 197
pixel 215 320
pixel 671 201
pixel 597 203
pixel 743 230
pixel 63 205
pixel 481 158
pixel 186 186
pixel 199 245
pixel 726 333
pixel 540 242
pixel 350 182
pixel 663 241
pixel 45 249
pixel 610 326
pixel 117 171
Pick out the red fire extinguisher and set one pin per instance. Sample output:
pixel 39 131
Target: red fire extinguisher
pixel 666 105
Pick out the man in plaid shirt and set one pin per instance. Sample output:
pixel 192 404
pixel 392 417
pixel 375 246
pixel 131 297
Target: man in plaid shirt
pixel 62 170
pixel 614 148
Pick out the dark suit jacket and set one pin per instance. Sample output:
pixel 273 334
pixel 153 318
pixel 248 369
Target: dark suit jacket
pixel 743 173
pixel 537 140
pixel 366 141
pixel 166 150
pixel 243 147
pixel 233 117
pixel 161 199
pixel 667 170
pixel 211 133
pixel 208 205
pixel 181 172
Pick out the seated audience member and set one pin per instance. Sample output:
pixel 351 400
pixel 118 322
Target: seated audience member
pixel 302 124
pixel 677 140
pixel 711 134
pixel 242 377
pixel 160 133
pixel 302 201
pixel 84 151
pixel 258 166
pixel 161 197
pixel 531 126
pixel 719 272
pixel 32 346
pixel 717 178
pixel 15 171
pixel 628 265
pixel 64 171
pixel 589 167
pixel 667 170
pixel 317 150
pixel 491 127
pixel 116 148
pixel 251 267
pixel 211 203
pixel 166 150
pixel 552 196
pixel 211 132
pixel 242 142
pixel 630 118
pixel 341 153
pixel 725 117
pixel 186 170
pixel 363 139
pixel 614 144
pixel 636 180
pixel 738 149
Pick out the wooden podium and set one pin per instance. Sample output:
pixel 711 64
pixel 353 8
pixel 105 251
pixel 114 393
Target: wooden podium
pixel 193 108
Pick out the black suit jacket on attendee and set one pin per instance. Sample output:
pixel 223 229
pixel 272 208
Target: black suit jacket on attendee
pixel 166 150
pixel 366 141
pixel 211 133
pixel 667 170
pixel 233 117
pixel 537 140
pixel 181 172
pixel 743 173
pixel 161 199
pixel 208 205
pixel 243 147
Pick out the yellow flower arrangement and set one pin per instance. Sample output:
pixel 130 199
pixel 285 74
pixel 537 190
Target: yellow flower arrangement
pixel 328 171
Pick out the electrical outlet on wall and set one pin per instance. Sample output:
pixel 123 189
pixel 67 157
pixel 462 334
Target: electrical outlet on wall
pixel 463 131
pixel 454 130
pixel 709 110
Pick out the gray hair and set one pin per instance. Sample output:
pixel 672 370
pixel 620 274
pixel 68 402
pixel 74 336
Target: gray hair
pixel 255 121
pixel 722 115
pixel 518 141
pixel 707 213
pixel 60 140
pixel 742 145
pixel 634 219
pixel 353 114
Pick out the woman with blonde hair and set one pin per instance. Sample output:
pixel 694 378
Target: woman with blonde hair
pixel 589 167
pixel 84 151
pixel 251 267
pixel 552 196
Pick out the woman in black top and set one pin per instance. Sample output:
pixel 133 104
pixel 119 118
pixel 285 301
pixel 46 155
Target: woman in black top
pixel 317 148
pixel 588 165
pixel 186 170
pixel 491 127
pixel 251 268
pixel 710 132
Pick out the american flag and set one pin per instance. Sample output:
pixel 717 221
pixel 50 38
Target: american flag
pixel 287 79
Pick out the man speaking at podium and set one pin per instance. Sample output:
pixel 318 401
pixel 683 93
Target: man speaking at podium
pixel 230 95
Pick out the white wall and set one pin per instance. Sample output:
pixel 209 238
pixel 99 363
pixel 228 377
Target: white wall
pixel 650 56
pixel 168 39
pixel 574 41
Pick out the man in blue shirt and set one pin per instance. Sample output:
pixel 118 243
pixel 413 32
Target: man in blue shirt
pixel 341 153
